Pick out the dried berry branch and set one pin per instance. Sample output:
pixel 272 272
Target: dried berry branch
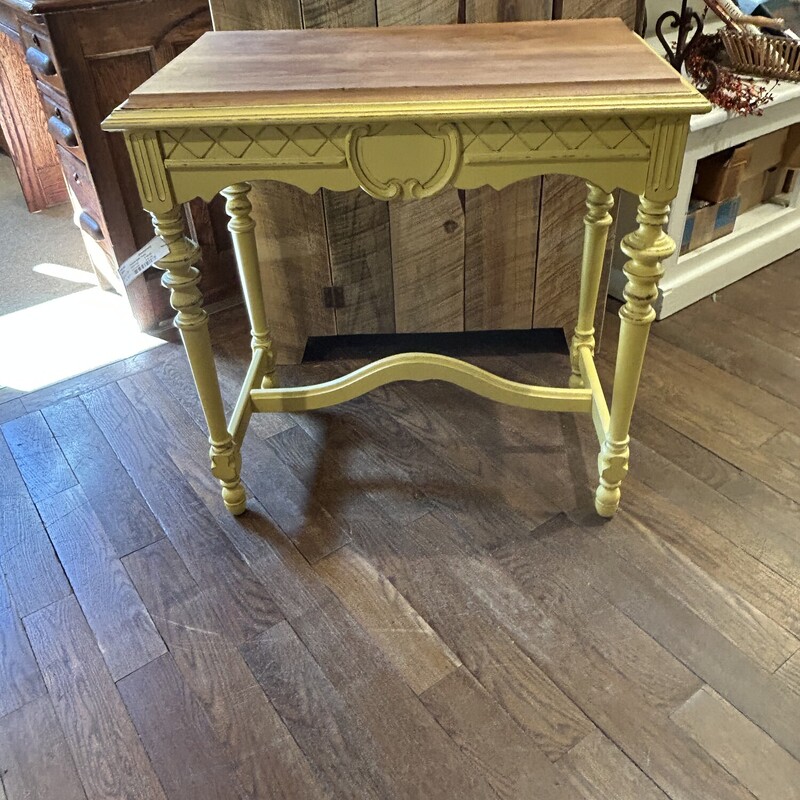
pixel 722 86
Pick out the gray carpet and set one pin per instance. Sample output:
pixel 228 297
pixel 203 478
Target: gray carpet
pixel 48 240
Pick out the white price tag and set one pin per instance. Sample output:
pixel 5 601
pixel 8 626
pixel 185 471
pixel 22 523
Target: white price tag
pixel 142 259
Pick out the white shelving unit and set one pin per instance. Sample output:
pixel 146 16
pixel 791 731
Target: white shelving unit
pixel 762 235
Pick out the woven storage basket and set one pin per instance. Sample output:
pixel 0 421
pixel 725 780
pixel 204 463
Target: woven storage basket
pixel 765 56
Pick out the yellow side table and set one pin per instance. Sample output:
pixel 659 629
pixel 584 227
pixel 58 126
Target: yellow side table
pixel 402 113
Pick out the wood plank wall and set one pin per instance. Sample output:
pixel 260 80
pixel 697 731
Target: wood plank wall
pixel 291 234
pixel 562 206
pixel 488 259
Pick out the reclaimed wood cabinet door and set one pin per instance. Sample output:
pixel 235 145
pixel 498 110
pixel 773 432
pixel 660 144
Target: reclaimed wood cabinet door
pixel 487 259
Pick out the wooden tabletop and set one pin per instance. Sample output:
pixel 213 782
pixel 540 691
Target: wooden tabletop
pixel 596 59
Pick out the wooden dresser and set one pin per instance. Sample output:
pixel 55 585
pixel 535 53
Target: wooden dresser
pixel 83 58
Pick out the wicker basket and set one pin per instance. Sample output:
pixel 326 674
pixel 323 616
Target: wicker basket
pixel 765 56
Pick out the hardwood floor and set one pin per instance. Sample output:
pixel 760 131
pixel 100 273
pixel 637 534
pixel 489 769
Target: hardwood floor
pixel 420 601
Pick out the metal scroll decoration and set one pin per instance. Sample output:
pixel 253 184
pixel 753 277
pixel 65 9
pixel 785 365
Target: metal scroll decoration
pixel 689 25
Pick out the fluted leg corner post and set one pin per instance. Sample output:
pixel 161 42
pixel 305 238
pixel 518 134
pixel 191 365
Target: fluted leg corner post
pixel 597 220
pixel 646 248
pixel 242 227
pixel 181 277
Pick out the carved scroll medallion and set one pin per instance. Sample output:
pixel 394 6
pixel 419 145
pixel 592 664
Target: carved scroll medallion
pixel 405 160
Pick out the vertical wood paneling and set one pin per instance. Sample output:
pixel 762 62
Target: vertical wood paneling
pixel 290 224
pixel 507 10
pixel 562 209
pixel 501 227
pixel 357 224
pixel 293 257
pixel 361 261
pixel 500 255
pixel 427 235
pixel 245 15
pixel 428 263
pixel 582 9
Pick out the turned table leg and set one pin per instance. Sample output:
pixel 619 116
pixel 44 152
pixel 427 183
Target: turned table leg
pixel 181 278
pixel 646 247
pixel 598 220
pixel 242 227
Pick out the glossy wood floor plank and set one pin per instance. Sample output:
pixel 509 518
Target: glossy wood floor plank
pixel 119 621
pixel 689 401
pixel 372 688
pixel 769 544
pixel 20 680
pixel 125 517
pixel 187 522
pixel 345 759
pixel 764 297
pixel 789 674
pixel 35 760
pixel 598 770
pixel 695 643
pixel 88 706
pixel 263 754
pixel 11 409
pixel 501 749
pixel 732 739
pixel 600 627
pixel 417 653
pixel 38 456
pixel 686 456
pixel 752 605
pixel 756 361
pixel 176 734
pixel 33 573
pixel 647 737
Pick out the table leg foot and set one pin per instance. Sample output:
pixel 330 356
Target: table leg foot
pixel 235 499
pixel 226 467
pixel 613 467
pixel 576 382
pixel 270 381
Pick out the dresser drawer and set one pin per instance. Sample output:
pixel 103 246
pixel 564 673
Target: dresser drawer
pixel 40 56
pixel 60 120
pixel 81 187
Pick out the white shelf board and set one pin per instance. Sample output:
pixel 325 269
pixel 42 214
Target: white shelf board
pixel 762 235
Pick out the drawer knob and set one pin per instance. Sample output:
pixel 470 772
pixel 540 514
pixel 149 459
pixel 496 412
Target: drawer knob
pixel 40 62
pixel 89 225
pixel 62 132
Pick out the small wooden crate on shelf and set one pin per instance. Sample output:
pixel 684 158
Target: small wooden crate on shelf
pixel 762 55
